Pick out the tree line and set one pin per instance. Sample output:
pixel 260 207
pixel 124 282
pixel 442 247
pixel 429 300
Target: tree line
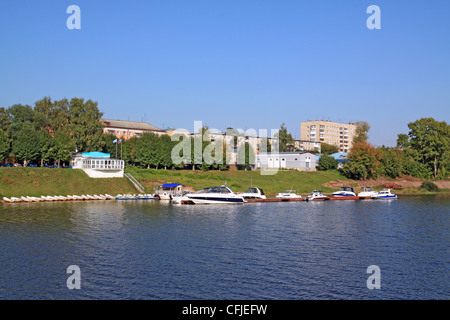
pixel 51 131
pixel 424 152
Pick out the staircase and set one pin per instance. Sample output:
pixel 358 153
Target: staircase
pixel 139 187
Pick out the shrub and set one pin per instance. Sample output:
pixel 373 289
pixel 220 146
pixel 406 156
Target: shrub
pixel 327 162
pixel 429 186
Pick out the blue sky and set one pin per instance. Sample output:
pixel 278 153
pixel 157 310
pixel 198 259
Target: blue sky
pixel 239 63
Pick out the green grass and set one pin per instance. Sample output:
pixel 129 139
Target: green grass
pixel 36 182
pixel 239 181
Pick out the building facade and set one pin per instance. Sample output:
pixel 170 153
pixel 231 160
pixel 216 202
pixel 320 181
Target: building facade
pixel 333 133
pixel 98 165
pixel 302 161
pixel 129 129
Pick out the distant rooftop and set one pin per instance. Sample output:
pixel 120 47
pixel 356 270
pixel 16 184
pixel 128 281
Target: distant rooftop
pixel 132 125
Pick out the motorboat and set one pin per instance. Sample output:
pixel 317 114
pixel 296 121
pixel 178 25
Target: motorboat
pixel 385 194
pixel 213 195
pixel 125 197
pixel 253 193
pixel 182 198
pixel 288 194
pixel 367 192
pixel 168 191
pixel 145 197
pixel 345 192
pixel 317 195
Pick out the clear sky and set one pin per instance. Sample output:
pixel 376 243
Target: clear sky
pixel 233 63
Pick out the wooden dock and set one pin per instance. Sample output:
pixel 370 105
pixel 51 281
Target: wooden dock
pixel 292 199
pixel 275 200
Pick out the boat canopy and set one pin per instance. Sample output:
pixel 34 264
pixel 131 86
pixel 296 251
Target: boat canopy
pixel 172 185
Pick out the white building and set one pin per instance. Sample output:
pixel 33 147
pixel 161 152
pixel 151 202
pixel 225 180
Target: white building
pixel 98 165
pixel 302 161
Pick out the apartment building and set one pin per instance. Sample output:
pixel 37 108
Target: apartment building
pixel 333 133
pixel 128 129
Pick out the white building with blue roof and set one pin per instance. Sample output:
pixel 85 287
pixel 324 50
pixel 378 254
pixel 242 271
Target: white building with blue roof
pixel 98 165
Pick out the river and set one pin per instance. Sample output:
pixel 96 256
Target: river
pixel 256 251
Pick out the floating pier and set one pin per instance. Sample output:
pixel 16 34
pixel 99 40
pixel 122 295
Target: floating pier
pixel 275 200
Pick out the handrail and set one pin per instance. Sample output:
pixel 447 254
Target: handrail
pixel 135 183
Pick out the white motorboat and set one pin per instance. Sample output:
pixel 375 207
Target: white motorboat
pixel 220 195
pixel 182 198
pixel 384 194
pixel 288 194
pixel 345 192
pixel 145 197
pixel 253 193
pixel 317 195
pixel 367 192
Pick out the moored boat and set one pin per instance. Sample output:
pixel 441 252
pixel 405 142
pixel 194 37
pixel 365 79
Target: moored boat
pixel 317 195
pixel 367 192
pixel 384 194
pixel 288 194
pixel 220 195
pixel 253 193
pixel 345 192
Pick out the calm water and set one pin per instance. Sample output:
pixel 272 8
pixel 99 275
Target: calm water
pixel 277 251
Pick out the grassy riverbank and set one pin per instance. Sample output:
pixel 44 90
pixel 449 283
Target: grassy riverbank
pixel 16 182
pixel 36 182
pixel 239 181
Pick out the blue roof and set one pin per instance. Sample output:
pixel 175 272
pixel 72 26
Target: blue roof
pixel 172 185
pixel 338 156
pixel 96 154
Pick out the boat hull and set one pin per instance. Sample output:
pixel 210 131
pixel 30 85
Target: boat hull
pixel 216 200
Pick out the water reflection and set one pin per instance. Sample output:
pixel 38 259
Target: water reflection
pixel 156 250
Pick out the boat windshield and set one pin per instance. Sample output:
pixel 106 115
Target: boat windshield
pixel 252 190
pixel 346 189
pixel 219 190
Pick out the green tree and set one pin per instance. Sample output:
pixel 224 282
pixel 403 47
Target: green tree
pixel 328 149
pixel 431 140
pixel 364 162
pixel 146 150
pixel 327 162
pixel 392 161
pixel 247 154
pixel 361 132
pixel 26 145
pixel 5 144
pixel 85 126
pixel 164 151
pixel 403 141
pixel 53 115
pixel 285 140
pixel 20 116
pixel 4 119
pixel 61 147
